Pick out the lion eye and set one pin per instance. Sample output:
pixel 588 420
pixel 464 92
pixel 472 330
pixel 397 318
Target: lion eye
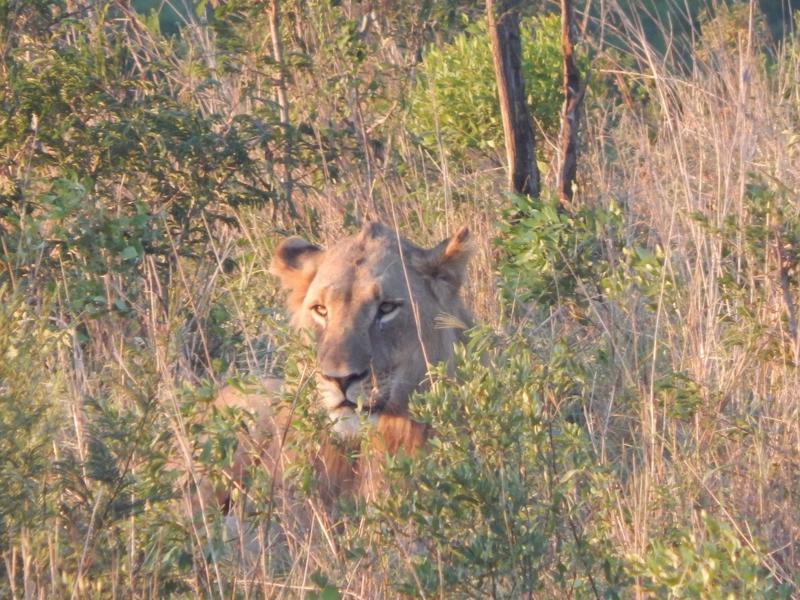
pixel 320 310
pixel 387 308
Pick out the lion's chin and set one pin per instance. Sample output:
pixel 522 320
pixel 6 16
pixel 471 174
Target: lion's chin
pixel 347 422
pixel 349 415
pixel 369 408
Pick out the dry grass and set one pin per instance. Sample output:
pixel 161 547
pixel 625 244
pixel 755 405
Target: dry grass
pixel 716 129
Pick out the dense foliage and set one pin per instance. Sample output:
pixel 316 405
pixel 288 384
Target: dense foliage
pixel 455 100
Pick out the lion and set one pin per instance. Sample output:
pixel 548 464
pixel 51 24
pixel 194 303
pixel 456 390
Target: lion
pixel 381 311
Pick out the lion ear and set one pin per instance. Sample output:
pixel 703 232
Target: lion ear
pixel 373 230
pixel 447 262
pixel 295 263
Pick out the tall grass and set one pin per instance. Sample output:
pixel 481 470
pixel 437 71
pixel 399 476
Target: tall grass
pixel 711 181
pixel 669 397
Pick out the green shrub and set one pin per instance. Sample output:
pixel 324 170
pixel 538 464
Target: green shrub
pixel 109 165
pixel 711 563
pixel 456 94
pixel 29 414
pixel 500 501
pixel 552 256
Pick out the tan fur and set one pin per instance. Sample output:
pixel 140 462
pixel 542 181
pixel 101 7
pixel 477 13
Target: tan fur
pixel 374 303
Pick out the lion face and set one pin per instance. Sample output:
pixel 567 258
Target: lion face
pixel 374 303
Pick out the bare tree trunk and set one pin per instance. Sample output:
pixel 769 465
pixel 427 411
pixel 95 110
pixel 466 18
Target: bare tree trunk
pixel 283 105
pixel 573 96
pixel 523 173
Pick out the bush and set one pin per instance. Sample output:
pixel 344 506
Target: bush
pixel 552 256
pixel 712 563
pixel 457 95
pixel 108 165
pixel 29 415
pixel 500 503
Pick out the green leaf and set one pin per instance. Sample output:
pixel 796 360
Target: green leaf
pixel 129 253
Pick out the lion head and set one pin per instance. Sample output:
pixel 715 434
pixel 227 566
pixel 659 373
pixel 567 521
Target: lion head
pixel 381 310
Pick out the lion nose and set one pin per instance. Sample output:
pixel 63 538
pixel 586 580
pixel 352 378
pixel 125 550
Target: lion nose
pixel 345 381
